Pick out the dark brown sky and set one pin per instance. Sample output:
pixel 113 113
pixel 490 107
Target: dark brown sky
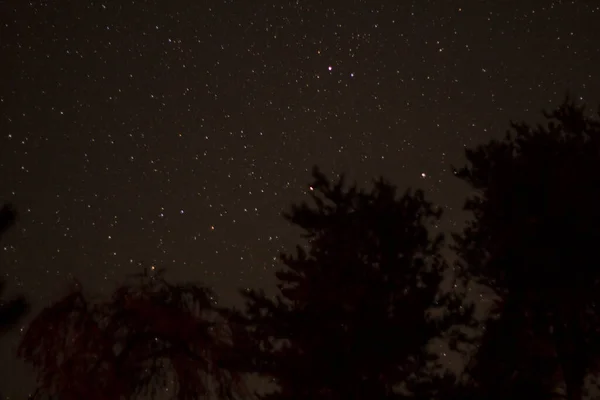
pixel 173 133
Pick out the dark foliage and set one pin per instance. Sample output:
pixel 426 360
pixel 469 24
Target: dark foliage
pixel 13 310
pixel 533 236
pixel 352 317
pixel 151 336
pixel 360 301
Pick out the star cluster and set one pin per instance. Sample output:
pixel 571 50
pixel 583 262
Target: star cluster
pixel 173 134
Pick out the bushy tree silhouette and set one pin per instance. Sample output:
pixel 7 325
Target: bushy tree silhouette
pixel 351 320
pixel 13 310
pixel 150 337
pixel 533 239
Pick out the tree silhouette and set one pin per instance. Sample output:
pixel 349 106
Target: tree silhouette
pixel 351 319
pixel 533 239
pixel 150 337
pixel 11 311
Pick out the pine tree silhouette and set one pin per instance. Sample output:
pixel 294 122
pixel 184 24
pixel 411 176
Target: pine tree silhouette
pixel 533 236
pixel 351 319
pixel 151 336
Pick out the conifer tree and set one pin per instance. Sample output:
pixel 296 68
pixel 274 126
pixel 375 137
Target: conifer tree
pixel 351 320
pixel 535 226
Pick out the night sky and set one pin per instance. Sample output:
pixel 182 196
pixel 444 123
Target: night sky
pixel 174 133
